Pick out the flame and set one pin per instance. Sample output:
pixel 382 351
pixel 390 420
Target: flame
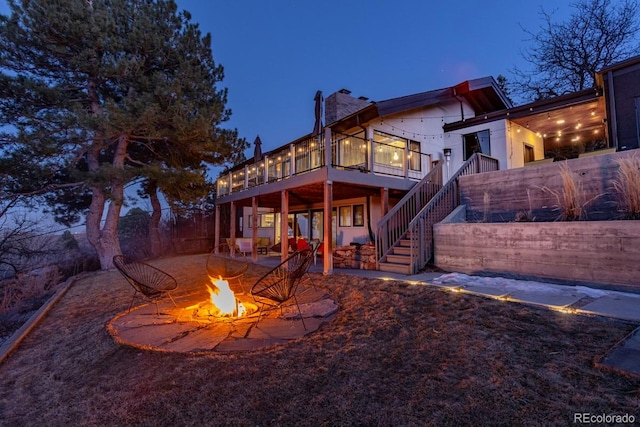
pixel 222 297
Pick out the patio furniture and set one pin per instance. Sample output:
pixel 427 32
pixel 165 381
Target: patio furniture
pixel 263 245
pixel 148 282
pixel 280 284
pixel 302 244
pixel 245 245
pixel 230 265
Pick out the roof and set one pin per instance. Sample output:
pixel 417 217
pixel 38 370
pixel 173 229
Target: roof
pixel 536 115
pixel 483 94
pixel 622 64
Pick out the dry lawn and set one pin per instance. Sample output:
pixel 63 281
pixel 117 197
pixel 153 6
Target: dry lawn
pixel 395 355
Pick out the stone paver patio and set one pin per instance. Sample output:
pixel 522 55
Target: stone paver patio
pixel 190 327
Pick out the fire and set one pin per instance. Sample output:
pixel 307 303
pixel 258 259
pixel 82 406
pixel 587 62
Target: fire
pixel 223 298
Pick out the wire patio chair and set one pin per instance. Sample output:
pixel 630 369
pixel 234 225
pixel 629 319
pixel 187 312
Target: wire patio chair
pixel 148 282
pixel 279 285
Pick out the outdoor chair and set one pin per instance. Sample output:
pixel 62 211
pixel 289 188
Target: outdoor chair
pixel 263 245
pixel 227 264
pixel 245 245
pixel 148 282
pixel 280 284
pixel 302 244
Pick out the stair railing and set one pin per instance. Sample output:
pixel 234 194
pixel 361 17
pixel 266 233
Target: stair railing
pixel 419 229
pixel 394 224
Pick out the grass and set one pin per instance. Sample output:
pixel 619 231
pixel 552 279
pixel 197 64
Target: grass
pixel 627 186
pixel 396 354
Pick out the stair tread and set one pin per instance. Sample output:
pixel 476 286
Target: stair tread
pixel 398 259
pixel 394 268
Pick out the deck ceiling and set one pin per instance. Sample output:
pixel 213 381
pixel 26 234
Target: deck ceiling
pixel 572 119
pixel 311 194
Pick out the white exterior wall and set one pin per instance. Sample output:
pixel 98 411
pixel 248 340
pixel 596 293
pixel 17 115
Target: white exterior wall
pixel 507 143
pixel 497 138
pixel 517 137
pixel 424 126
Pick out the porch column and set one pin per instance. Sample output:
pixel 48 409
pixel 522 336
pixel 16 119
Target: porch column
pixel 232 231
pixel 327 259
pixel 384 201
pixel 254 229
pixel 216 224
pixel 284 224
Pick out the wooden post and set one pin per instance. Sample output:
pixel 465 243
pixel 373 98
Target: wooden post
pixel 327 259
pixel 384 201
pixel 284 224
pixel 233 228
pixel 216 236
pixel 254 229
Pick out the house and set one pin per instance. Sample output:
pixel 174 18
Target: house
pixel 384 172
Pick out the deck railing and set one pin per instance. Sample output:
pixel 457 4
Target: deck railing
pixel 349 152
pixel 419 228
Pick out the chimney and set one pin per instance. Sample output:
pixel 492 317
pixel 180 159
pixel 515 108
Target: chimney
pixel 341 104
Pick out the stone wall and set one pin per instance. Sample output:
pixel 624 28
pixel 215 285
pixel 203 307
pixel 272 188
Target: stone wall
pixel 340 104
pixel 362 257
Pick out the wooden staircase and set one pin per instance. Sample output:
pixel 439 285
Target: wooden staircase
pixel 404 238
pixel 399 259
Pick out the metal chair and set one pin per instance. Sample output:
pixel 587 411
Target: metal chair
pixel 228 264
pixel 280 284
pixel 150 282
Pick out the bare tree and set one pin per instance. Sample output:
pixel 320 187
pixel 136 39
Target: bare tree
pixel 564 56
pixel 19 245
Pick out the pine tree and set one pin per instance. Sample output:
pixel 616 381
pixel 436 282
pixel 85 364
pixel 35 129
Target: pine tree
pixel 103 93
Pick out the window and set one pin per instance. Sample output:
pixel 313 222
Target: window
pixel 279 165
pixel 358 215
pixel 266 220
pixel 414 156
pixel 344 216
pixel 529 156
pixel 350 150
pixel 317 225
pixel 477 142
pixel 389 149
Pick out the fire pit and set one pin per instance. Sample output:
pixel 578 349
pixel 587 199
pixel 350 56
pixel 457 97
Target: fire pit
pixel 220 321
pixel 223 304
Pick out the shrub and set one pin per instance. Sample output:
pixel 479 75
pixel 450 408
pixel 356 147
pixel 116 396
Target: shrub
pixel 570 199
pixel 627 186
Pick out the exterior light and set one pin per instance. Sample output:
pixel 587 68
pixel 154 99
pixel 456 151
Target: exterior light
pixel 447 156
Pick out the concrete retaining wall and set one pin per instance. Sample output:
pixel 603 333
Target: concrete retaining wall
pixel 605 252
pixel 502 195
